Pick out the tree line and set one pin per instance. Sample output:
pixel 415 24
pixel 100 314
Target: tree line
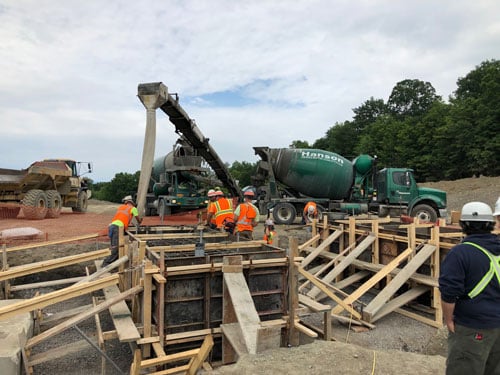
pixel 415 128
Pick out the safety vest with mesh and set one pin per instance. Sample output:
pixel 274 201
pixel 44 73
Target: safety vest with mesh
pixel 246 217
pixel 493 271
pixel 223 209
pixel 123 215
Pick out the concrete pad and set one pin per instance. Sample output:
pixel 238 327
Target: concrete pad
pixel 14 332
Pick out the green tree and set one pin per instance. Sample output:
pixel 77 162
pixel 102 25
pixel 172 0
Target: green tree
pixel 242 172
pixel 367 113
pixel 476 120
pixel 299 144
pixel 411 98
pixel 121 185
pixel 340 138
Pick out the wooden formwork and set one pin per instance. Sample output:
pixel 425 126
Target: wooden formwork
pixel 398 264
pixel 190 304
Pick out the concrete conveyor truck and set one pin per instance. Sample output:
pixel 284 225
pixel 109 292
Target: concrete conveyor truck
pixel 179 181
pixel 287 178
pixel 43 188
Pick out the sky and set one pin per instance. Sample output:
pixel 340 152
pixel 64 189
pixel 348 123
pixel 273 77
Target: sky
pixel 250 73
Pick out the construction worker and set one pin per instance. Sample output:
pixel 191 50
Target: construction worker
pixel 496 214
pixel 470 292
pixel 211 200
pixel 220 209
pixel 123 217
pixel 269 232
pixel 310 212
pixel 246 216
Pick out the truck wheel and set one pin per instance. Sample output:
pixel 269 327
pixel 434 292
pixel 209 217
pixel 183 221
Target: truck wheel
pixel 284 213
pixel 424 213
pixel 54 204
pixel 35 204
pixel 82 202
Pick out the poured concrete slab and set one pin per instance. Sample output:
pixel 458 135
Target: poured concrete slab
pixel 14 332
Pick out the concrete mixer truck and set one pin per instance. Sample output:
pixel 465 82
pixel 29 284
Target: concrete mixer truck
pixel 287 178
pixel 179 181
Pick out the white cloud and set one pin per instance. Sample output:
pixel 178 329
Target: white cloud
pixel 70 70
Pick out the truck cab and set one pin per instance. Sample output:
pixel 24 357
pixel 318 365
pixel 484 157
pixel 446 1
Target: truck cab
pixel 396 189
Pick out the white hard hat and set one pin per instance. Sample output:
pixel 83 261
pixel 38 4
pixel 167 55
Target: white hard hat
pixel 211 193
pixel 476 211
pixel 128 198
pixel 497 208
pixel 310 209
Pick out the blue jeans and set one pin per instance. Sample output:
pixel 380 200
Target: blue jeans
pixel 113 233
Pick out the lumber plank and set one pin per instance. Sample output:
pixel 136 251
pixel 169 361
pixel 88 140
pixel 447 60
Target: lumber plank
pixel 309 242
pixel 121 316
pixel 65 314
pixel 244 308
pixel 28 269
pixel 232 333
pixel 399 301
pixel 210 246
pixel 321 285
pixel 169 358
pixel 101 271
pixel 345 262
pixel 55 242
pixel 402 277
pixel 44 284
pixel 370 283
pixel 51 298
pixel 313 305
pixel 354 278
pixel 80 317
pixel 323 246
pixel 217 267
pixel 305 330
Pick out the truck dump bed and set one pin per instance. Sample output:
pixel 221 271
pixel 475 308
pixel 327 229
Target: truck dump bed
pixel 39 175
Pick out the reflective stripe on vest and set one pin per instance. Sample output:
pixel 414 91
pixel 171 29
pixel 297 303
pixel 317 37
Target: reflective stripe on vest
pixel 494 270
pixel 221 211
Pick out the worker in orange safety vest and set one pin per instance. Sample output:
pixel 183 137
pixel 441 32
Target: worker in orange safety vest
pixel 246 216
pixel 220 209
pixel 124 215
pixel 310 212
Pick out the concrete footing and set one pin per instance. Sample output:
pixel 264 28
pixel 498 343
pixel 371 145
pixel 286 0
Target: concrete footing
pixel 14 332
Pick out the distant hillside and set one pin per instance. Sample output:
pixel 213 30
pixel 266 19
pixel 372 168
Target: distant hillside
pixel 483 189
